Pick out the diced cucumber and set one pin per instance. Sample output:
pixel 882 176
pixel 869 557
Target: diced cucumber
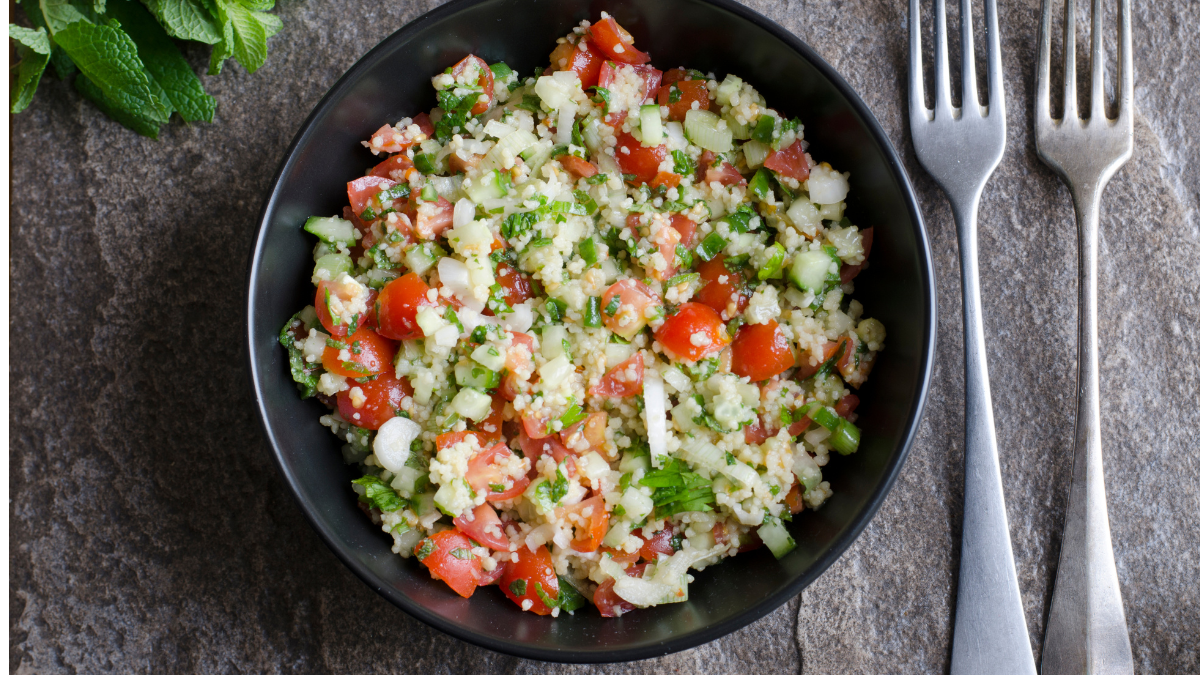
pixel 704 128
pixel 637 504
pixel 472 236
pixel 553 338
pixel 331 266
pixel 421 259
pixel 449 187
pixel 631 462
pixel 652 129
pixel 731 85
pixel 508 148
pixel 406 481
pixel 555 370
pixel 489 356
pixel 616 352
pixel 810 270
pixel 776 538
pixel 454 497
pixel 771 266
pixel 486 187
pixel 756 153
pixel 760 185
pixel 468 374
pixel 424 505
pixel 332 230
pixel 535 156
pixel 740 131
pixel 472 403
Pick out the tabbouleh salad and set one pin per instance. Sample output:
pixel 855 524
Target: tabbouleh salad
pixel 587 330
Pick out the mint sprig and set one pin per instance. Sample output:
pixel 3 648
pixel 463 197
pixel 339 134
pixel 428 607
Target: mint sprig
pixel 124 58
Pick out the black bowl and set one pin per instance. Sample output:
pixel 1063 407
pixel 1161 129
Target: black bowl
pixel 392 81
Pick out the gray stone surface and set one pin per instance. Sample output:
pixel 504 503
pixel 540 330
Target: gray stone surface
pixel 151 533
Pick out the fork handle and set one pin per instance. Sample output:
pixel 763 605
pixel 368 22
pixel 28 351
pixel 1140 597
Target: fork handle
pixel 1086 631
pixel 990 635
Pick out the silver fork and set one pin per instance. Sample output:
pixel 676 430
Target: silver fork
pixel 960 147
pixel 1086 631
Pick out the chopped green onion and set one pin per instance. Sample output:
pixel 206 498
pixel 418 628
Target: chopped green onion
pixel 845 437
pixel 824 416
pixel 425 162
pixel 773 268
pixel 429 194
pixel 764 131
pixel 760 185
pixel 680 279
pixel 598 179
pixel 585 200
pixel 591 313
pixel 711 246
pixel 587 249
pixel 556 309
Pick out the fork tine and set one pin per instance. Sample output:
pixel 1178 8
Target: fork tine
pixel 995 70
pixel 916 71
pixel 1070 99
pixel 941 67
pixel 1098 112
pixel 1041 105
pixel 1125 110
pixel 970 94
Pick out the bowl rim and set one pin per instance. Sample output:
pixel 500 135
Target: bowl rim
pixel 762 607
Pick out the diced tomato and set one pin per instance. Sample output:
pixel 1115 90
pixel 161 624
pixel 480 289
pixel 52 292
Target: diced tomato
pixel 750 541
pixel 665 240
pixel 847 405
pixel 621 557
pixel 650 76
pixel 393 168
pixel 659 543
pixel 851 271
pixel 761 351
pixel 616 119
pixel 789 161
pixel 590 430
pixel 721 287
pixel 483 525
pixel 689 92
pixel 451 438
pixel 518 359
pixel 535 426
pixel 606 599
pixel 675 75
pixel 486 81
pixel 799 425
pixel 581 168
pixel 758 432
pixel 448 555
pixel 616 42
pixel 665 180
pixel 624 305
pixel 434 217
pixel 362 190
pixel 368 318
pixel 487 578
pixel 618 383
pixel 512 386
pixel 692 333
pixel 483 474
pixel 534 570
pixel 326 293
pixel 724 174
pixel 370 354
pixel 640 161
pixel 426 125
pixel 397 139
pixel 686 227
pixel 593 526
pixel 583 58
pixel 383 397
pixel 515 283
pixel 551 445
pixel 490 428
pixel 397 305
pixel 456 163
pixel 795 499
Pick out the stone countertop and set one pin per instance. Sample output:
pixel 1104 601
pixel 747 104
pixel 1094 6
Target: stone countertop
pixel 151 532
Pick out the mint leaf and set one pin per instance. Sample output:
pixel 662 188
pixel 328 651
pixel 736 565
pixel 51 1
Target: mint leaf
pixel 62 13
pixel 63 67
pixel 33 47
pixel 139 123
pixel 379 494
pixel 569 598
pixel 186 20
pixel 108 57
pixel 98 6
pixel 245 32
pixel 163 62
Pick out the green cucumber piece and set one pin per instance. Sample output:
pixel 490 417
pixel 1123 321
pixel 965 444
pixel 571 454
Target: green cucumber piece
pixel 810 270
pixel 331 230
pixel 334 264
pixel 776 538
pixel 652 129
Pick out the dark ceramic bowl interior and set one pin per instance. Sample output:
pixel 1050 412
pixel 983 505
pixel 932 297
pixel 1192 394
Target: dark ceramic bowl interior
pixel 393 81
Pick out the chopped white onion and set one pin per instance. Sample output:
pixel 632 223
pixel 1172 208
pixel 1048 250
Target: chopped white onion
pixel 656 416
pixel 393 442
pixel 464 212
pixel 456 277
pixel 519 320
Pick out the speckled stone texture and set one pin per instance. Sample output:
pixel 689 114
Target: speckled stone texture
pixel 151 532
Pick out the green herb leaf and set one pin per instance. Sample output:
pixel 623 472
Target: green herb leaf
pixel 684 165
pixel 186 20
pixel 426 549
pixel 163 61
pixel 379 494
pixel 517 587
pixel 108 57
pixel 569 599
pixel 62 13
pixel 244 34
pixel 597 179
pixel 33 48
pixel 548 601
pixel 463 554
